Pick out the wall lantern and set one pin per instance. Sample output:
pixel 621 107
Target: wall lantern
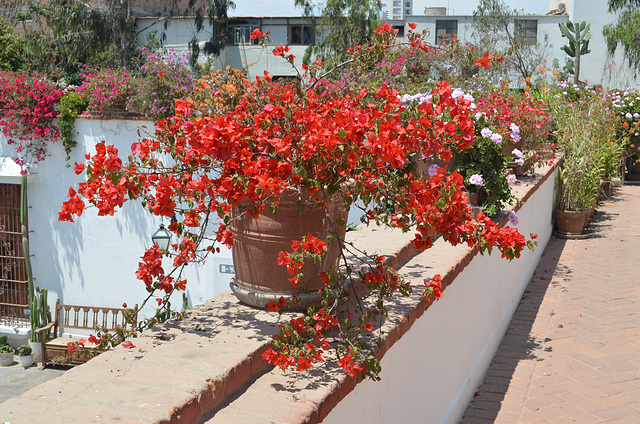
pixel 162 237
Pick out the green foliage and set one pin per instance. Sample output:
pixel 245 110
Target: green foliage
pixel 40 312
pixel 343 23
pixel 70 106
pixel 6 349
pixel 24 350
pixel 578 35
pixel 3 340
pixel 85 34
pixel 12 46
pixel 485 158
pixel 624 32
pixel 578 177
pixel 498 28
pixel 585 120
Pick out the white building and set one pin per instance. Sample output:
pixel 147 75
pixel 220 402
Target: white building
pixel 397 9
pixel 298 33
pixel 596 67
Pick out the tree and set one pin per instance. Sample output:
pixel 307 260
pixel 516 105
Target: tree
pixel 11 58
pixel 342 23
pixel 84 34
pixel 104 34
pixel 625 31
pixel 498 28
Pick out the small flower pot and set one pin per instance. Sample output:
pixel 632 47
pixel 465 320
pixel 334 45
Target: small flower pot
pixel 6 359
pixel 571 222
pixel 473 198
pixel 26 361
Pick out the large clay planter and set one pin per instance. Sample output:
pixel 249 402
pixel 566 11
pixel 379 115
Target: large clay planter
pixel 259 240
pixel 571 222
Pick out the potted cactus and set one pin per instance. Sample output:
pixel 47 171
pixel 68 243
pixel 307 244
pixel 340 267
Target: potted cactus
pixel 6 355
pixel 25 356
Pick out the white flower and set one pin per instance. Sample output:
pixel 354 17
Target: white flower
pixel 496 138
pixel 518 153
pixel 486 132
pixel 433 170
pixel 513 218
pixel 476 179
pixel 511 179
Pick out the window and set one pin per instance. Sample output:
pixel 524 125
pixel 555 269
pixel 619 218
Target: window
pixel 13 274
pixel 241 35
pixel 400 29
pixel 526 31
pixel 301 34
pixel 396 4
pixel 445 29
pixel 396 12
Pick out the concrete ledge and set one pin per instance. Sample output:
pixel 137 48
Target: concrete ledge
pixel 208 368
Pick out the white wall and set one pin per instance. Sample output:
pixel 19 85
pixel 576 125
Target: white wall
pixel 468 323
pixel 93 261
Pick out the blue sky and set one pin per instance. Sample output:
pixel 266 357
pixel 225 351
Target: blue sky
pixel 460 7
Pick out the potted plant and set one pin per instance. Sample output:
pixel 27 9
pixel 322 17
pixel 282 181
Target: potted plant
pixel 298 142
pixel 25 356
pixel 577 184
pixel 6 355
pixel 484 168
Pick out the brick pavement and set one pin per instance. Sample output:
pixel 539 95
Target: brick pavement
pixel 572 351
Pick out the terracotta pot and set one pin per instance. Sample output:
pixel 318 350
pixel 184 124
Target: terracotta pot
pixel 259 240
pixel 571 222
pixel 473 199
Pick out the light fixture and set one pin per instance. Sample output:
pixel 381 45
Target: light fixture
pixel 162 238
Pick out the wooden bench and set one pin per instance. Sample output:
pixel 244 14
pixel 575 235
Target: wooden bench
pixel 76 317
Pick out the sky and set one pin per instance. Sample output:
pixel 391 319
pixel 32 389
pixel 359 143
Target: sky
pixel 459 7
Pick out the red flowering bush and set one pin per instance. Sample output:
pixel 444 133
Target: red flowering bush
pixel 525 111
pixel 287 136
pixel 27 111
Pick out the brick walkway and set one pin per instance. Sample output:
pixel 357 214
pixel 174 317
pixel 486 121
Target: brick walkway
pixel 572 351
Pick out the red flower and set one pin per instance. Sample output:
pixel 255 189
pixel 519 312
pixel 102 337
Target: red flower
pixel 412 25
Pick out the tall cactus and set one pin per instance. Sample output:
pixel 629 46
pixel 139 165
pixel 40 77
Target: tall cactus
pixel 579 36
pixel 38 305
pixel 40 314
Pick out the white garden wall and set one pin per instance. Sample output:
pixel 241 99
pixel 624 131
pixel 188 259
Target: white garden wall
pixel 434 369
pixel 93 261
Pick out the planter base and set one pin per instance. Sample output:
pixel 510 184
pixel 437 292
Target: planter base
pixel 570 236
pixel 260 299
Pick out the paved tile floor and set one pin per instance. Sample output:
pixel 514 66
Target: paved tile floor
pixel 15 380
pixel 572 351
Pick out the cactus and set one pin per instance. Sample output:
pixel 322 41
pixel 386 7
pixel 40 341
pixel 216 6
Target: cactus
pixel 38 306
pixel 579 36
pixel 40 313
